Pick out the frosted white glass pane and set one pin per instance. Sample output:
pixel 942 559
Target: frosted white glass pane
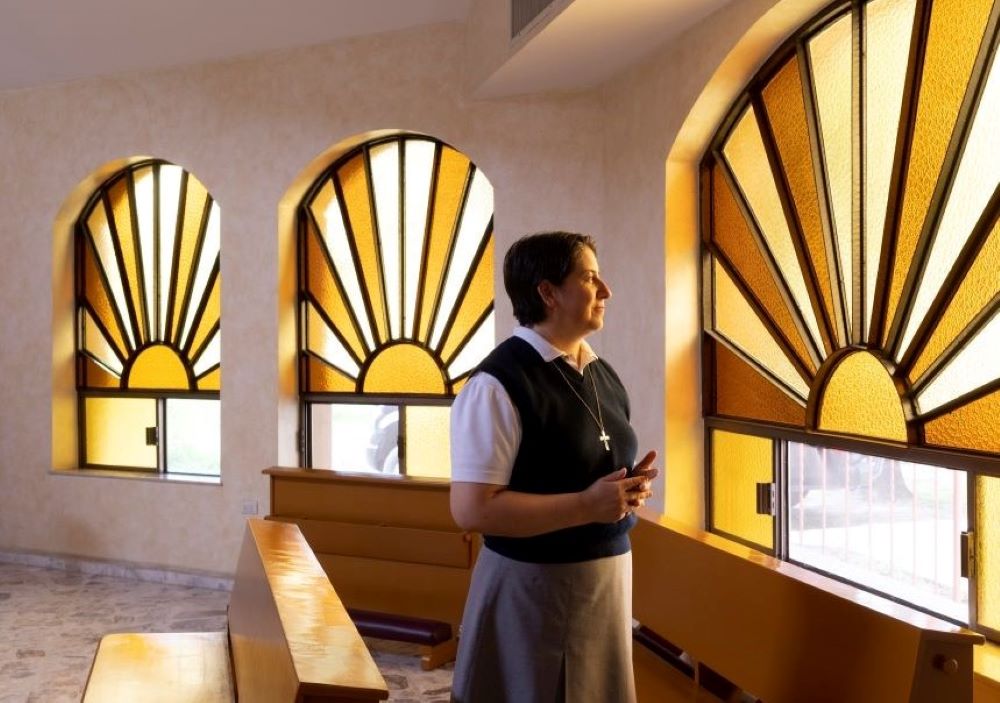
pixel 362 438
pixel 976 365
pixel 144 217
pixel 170 192
pixel 97 344
pixel 887 24
pixel 475 217
pixel 480 344
pixel 335 236
pixel 109 263
pixel 737 322
pixel 206 262
pixel 744 151
pixel 830 55
pixel 324 342
pixel 978 176
pixel 193 432
pixel 211 356
pixel 419 155
pixel 385 179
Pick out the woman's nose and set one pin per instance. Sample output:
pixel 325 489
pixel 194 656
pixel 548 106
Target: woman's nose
pixel 603 289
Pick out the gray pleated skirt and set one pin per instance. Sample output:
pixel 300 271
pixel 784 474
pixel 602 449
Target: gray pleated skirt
pixel 546 633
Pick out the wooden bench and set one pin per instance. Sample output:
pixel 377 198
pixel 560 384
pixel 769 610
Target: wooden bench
pixel 785 634
pixel 289 639
pixel 434 638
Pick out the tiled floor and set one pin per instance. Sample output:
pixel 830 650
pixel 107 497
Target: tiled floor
pixel 51 621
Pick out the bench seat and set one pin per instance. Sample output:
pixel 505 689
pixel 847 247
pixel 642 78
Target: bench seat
pixel 435 639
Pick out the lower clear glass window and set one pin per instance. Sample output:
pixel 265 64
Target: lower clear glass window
pixel 192 436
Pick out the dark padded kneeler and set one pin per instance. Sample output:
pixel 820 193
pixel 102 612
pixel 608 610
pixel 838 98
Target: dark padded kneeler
pixel 400 628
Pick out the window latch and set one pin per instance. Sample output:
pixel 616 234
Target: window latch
pixel 152 437
pixel 967 547
pixel 765 499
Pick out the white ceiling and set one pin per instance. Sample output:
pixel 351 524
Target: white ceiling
pixel 45 41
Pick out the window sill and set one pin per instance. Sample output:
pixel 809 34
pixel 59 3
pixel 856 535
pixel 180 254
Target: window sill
pixel 987 670
pixel 140 476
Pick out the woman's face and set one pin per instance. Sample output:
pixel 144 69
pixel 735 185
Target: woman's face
pixel 578 302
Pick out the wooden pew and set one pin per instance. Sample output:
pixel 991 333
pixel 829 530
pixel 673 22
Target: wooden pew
pixel 290 639
pixel 785 634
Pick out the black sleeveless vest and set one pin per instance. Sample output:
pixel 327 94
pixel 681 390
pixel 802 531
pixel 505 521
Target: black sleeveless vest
pixel 560 451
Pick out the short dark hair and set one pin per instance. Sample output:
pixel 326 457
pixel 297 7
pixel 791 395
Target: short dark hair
pixel 545 256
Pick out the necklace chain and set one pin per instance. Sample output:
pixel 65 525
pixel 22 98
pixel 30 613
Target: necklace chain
pixel 599 417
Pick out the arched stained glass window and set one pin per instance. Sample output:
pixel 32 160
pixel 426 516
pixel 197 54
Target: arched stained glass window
pixel 852 246
pixel 395 302
pixel 148 323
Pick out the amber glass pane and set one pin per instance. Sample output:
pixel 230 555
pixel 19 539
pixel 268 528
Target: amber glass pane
pixel 357 199
pixel 115 430
pixel 879 415
pixel 324 343
pixel 159 367
pixel 475 350
pixel 122 209
pixel 404 368
pixel 977 288
pixel 419 157
pixel 744 151
pixel 974 366
pixel 987 532
pixel 947 66
pixel 888 25
pixel 457 385
pixel 742 392
pixel 978 175
pixel 209 318
pixel 787 115
pixel 323 286
pixel 733 237
pixel 96 376
pixel 475 302
pixel 210 381
pixel 97 345
pixel 195 203
pixel 97 296
pixel 210 355
pixel 385 184
pixel 737 322
pixel 971 426
pixel 323 378
pixel 428 438
pixel 100 232
pixel 831 59
pixel 452 175
pixel 739 463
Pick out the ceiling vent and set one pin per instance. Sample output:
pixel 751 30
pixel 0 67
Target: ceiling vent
pixel 523 13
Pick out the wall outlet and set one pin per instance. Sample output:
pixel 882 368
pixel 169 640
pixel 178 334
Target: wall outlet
pixel 249 506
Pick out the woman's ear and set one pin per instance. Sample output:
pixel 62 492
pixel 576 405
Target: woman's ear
pixel 546 291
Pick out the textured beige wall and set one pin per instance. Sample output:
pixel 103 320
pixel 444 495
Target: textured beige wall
pixel 247 129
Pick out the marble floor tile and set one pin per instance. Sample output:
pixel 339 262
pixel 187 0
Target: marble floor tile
pixel 51 621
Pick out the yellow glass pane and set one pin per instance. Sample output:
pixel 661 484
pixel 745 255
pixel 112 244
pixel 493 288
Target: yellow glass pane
pixel 457 385
pixel 830 53
pixel 100 233
pixel 195 203
pixel 323 378
pixel 745 153
pixel 121 206
pixel 115 432
pixel 736 321
pixel 733 237
pixel 210 381
pixel 987 531
pixel 97 377
pixel 428 441
pixel 96 343
pixel 977 177
pixel 357 198
pixel 324 288
pixel 209 318
pixel 880 414
pixel 741 391
pixel 947 66
pixel 158 366
pixel 971 426
pixel 977 364
pixel 888 26
pixel 977 288
pixel 739 463
pixel 452 175
pixel 787 114
pixel 477 299
pixel 97 296
pixel 404 368
pixel 324 343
